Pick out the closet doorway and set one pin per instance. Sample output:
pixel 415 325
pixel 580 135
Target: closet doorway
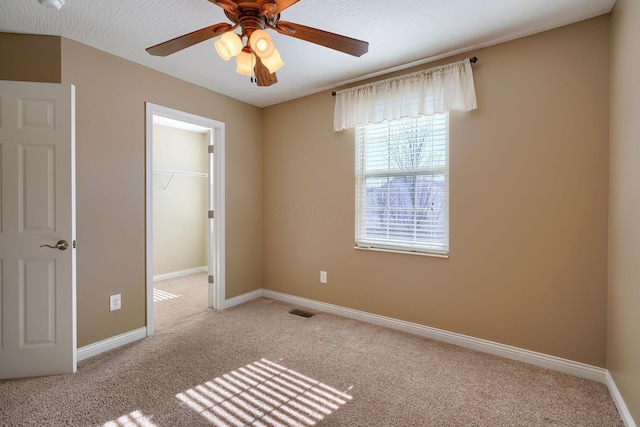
pixel 184 202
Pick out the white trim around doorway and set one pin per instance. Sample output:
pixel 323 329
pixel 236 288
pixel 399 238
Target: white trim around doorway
pixel 218 132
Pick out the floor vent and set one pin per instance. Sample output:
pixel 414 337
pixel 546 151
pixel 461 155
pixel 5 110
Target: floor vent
pixel 301 313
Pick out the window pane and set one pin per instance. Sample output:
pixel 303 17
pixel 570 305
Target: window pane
pixel 377 192
pixel 402 184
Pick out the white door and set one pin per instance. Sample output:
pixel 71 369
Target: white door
pixel 37 207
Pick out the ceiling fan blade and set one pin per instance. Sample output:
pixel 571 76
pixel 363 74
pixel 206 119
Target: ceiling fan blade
pixel 283 4
pixel 228 5
pixel 323 38
pixel 187 40
pixel 263 76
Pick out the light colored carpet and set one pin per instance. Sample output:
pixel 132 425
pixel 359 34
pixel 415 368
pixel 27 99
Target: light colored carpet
pixel 256 364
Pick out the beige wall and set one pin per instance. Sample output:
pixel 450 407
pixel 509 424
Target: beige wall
pixel 179 201
pixel 110 154
pixel 528 214
pixel 30 58
pixel 623 356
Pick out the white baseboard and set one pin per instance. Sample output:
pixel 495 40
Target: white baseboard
pixel 577 369
pixel 240 299
pixel 619 401
pixel 110 343
pixel 181 273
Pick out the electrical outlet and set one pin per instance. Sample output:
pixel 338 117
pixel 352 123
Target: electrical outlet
pixel 323 277
pixel 115 302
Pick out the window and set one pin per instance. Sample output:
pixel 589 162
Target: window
pixel 402 185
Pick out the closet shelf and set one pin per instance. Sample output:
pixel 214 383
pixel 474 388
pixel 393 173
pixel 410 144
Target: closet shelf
pixel 178 172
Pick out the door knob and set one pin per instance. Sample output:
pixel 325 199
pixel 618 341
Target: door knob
pixel 62 245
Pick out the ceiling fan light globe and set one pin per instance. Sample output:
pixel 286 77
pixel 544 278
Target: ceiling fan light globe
pixel 261 43
pixel 228 46
pixel 273 62
pixel 245 62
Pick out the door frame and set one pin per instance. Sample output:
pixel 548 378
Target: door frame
pixel 216 235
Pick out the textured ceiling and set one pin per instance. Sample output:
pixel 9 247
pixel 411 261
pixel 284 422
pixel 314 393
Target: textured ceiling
pixel 400 33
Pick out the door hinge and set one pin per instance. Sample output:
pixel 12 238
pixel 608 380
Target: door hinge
pixel 211 215
pixel 211 149
pixel 210 279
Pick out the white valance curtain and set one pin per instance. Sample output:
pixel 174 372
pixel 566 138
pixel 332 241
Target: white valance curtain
pixel 423 93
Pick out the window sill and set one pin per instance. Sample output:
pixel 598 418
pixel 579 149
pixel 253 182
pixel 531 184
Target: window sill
pixel 400 251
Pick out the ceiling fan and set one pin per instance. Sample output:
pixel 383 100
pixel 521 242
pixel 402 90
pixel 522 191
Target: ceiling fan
pixel 258 57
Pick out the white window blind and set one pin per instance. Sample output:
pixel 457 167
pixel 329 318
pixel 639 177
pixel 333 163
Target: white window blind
pixel 402 185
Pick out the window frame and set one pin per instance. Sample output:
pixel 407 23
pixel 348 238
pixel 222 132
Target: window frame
pixel 397 245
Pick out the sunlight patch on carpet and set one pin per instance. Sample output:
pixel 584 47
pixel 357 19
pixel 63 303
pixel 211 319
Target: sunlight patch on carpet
pixel 264 394
pixel 134 419
pixel 159 295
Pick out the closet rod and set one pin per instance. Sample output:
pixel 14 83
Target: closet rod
pixel 177 172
